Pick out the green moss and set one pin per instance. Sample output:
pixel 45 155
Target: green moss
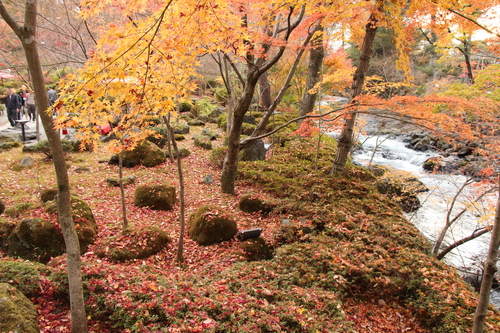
pixel 210 225
pixel 157 197
pixel 217 155
pixel 134 244
pixel 25 276
pixel 18 209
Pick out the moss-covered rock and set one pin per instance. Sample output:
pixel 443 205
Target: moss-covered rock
pixel 156 197
pixel 6 228
pixel 136 244
pixel 86 226
pixel 35 239
pixel 255 249
pixel 48 194
pixel 249 203
pixel 159 137
pixel 115 182
pixel 210 225
pixel 217 155
pixel 26 276
pixel 180 128
pixel 255 152
pixel 202 141
pixel 8 143
pixel 146 153
pixel 2 207
pixel 402 187
pixel 17 313
pixel 18 208
pixel 196 122
pixel 183 152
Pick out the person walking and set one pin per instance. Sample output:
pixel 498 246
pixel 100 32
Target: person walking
pixel 52 96
pixel 30 102
pixel 13 104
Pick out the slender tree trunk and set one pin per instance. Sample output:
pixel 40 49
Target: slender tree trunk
pixel 27 36
pixel 180 245
pixel 316 56
pixel 265 91
pixel 122 192
pixel 490 268
pixel 346 137
pixel 466 51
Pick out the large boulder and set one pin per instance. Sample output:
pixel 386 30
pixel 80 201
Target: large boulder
pixel 86 226
pixel 146 153
pixel 255 152
pixel 35 239
pixel 17 313
pixel 156 197
pixel 210 225
pixel 137 244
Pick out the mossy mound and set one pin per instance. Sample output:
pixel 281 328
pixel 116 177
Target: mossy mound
pixel 159 137
pixel 8 143
pixel 400 186
pixel 202 141
pixel 183 152
pixel 25 276
pixel 86 226
pixel 216 156
pixel 17 313
pixel 156 197
pixel 255 249
pixel 35 239
pixel 44 148
pixel 17 209
pixel 249 203
pixel 146 153
pixel 48 194
pixel 211 225
pixel 115 182
pixel 136 244
pixel 6 228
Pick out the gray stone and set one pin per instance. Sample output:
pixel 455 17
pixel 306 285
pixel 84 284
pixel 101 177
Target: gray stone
pixel 17 313
pixel 209 180
pixel 255 152
pixel 27 161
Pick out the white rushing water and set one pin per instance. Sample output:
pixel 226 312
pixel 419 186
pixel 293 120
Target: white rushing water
pixel 431 217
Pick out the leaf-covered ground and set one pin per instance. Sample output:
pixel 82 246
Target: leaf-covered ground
pixel 348 261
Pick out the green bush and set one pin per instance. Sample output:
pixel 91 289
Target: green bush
pixel 44 148
pixel 203 107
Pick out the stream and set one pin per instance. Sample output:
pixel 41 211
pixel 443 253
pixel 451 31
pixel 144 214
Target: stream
pixel 431 217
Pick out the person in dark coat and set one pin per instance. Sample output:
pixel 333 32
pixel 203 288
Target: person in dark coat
pixel 13 103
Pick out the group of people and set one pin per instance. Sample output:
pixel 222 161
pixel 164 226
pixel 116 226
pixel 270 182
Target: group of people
pixel 15 103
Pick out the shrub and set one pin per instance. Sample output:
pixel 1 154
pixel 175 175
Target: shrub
pixel 44 148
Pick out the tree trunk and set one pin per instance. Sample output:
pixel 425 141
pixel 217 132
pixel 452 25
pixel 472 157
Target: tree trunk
pixel 27 34
pixel 265 92
pixel 346 137
pixel 490 268
pixel 122 192
pixel 316 56
pixel 230 166
pixel 180 245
